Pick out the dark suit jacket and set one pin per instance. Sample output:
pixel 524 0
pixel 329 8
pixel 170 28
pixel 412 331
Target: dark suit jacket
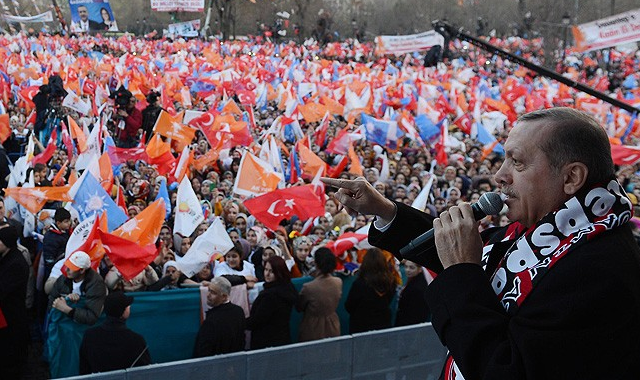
pixel 582 321
pixel 94 25
pixel 412 305
pixel 368 310
pixel 270 315
pixel 112 346
pixel 222 332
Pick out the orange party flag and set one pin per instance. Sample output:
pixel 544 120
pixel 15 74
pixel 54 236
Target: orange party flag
pixel 78 134
pixel 144 228
pixel 34 198
pixel 356 166
pixel 157 147
pixel 172 127
pixel 5 128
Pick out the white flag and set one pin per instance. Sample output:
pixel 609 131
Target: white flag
pixel 76 103
pixel 421 200
pixel 79 235
pixel 214 240
pixel 188 210
pixel 94 147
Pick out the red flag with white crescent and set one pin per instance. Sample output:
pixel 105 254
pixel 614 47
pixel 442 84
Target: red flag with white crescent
pixel 344 242
pixel 273 207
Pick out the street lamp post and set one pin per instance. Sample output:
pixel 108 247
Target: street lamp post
pixel 566 20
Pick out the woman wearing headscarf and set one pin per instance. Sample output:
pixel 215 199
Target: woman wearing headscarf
pixel 241 224
pixel 256 238
pixel 304 264
pixel 172 278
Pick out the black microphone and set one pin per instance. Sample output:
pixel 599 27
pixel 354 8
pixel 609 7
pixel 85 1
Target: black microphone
pixel 488 204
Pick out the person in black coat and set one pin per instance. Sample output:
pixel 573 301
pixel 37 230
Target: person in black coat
pixel 5 169
pixel 369 300
pixel 271 311
pixel 553 295
pixel 150 114
pixel 222 332
pixel 14 328
pixel 112 346
pixel 55 240
pixel 412 305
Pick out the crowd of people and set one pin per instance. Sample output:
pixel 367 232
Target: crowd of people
pixel 448 121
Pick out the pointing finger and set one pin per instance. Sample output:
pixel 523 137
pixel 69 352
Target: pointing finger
pixel 352 185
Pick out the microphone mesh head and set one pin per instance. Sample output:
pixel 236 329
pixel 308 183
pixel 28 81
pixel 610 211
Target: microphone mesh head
pixel 490 203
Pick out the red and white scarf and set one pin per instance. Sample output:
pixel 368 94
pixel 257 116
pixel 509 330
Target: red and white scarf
pixel 537 249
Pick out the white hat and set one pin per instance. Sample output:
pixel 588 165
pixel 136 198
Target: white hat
pixel 78 260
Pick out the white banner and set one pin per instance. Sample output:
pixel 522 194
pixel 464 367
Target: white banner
pixel 76 103
pixel 611 31
pixel 214 240
pixel 177 5
pixel 43 17
pixel 185 29
pixel 189 212
pixel 408 44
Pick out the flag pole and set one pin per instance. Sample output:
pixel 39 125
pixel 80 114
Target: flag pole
pixel 59 15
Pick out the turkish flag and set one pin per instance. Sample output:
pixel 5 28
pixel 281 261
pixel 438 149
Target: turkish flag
pixel 345 241
pixel 443 106
pixel 122 155
pixel 48 152
pixel 204 121
pixel 273 207
pixel 246 97
pixel 464 123
pixel 89 87
pixel 28 93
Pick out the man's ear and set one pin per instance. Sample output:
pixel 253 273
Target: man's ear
pixel 575 176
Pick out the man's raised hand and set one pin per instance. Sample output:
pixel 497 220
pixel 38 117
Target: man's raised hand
pixel 359 196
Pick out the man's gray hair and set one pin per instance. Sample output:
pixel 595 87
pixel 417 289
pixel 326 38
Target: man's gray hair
pixel 223 284
pixel 577 137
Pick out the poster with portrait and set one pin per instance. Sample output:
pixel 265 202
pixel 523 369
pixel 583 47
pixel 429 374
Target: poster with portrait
pixel 92 16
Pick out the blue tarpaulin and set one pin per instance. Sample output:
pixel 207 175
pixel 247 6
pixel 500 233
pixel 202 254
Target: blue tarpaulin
pixel 169 322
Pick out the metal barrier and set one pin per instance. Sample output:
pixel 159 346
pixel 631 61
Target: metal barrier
pixel 403 353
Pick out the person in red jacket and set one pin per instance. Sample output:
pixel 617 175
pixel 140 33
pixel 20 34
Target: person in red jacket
pixel 130 124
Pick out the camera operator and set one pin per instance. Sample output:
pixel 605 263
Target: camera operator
pixel 150 114
pixel 49 113
pixel 127 119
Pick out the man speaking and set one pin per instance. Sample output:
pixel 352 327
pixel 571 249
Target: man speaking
pixel 553 295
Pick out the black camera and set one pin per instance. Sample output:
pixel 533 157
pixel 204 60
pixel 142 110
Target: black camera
pixel 121 97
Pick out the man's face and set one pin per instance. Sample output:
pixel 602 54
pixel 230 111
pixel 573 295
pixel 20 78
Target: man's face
pixel 532 186
pixel 83 13
pixel 215 296
pixel 74 274
pixel 132 103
